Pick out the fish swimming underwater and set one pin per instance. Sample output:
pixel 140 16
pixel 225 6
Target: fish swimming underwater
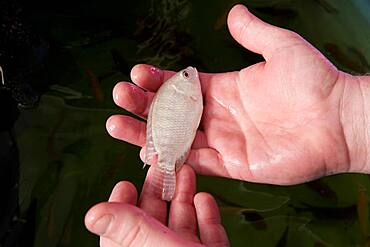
pixel 173 119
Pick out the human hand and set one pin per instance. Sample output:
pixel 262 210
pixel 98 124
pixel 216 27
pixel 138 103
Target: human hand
pixel 277 121
pixel 122 222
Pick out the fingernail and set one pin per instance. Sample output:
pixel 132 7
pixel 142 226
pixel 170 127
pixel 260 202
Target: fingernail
pixel 102 224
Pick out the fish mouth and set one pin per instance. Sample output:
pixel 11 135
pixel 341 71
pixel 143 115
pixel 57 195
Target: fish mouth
pixel 193 68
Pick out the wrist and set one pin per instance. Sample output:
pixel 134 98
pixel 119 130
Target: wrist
pixel 355 120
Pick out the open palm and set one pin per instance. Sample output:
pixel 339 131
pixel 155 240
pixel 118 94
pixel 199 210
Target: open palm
pixel 277 121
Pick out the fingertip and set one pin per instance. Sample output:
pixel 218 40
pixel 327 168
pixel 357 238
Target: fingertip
pixel 203 198
pixel 124 192
pixel 135 73
pixel 94 214
pixel 152 161
pixel 110 125
pixel 142 153
pixel 186 185
pixel 211 231
pixel 207 161
pixel 256 35
pixel 206 208
pixel 127 129
pixel 187 171
pixel 238 21
pixel 147 76
pixel 114 124
pixel 237 14
pixel 131 97
pixel 238 7
pixel 116 92
pixel 125 186
pixel 140 71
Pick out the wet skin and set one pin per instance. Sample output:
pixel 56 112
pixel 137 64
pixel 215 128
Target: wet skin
pixel 287 120
pixel 122 221
pixel 277 121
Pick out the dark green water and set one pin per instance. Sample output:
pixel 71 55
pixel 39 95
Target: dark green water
pixel 68 162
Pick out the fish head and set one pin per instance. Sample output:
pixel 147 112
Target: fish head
pixel 188 79
pixel 190 74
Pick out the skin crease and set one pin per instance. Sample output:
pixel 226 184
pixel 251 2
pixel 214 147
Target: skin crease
pixel 143 223
pixel 288 120
pixel 273 122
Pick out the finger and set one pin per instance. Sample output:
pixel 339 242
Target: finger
pixel 149 77
pixel 211 232
pixel 200 141
pixel 207 161
pixel 127 225
pixel 106 242
pixel 149 201
pixel 127 129
pixel 182 219
pixel 257 35
pixel 132 98
pixel 124 192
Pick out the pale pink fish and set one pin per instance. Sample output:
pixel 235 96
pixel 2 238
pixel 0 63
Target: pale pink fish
pixel 173 120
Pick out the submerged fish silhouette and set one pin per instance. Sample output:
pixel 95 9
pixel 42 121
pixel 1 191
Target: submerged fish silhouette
pixel 173 120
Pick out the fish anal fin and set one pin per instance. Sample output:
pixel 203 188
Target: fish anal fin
pixel 194 98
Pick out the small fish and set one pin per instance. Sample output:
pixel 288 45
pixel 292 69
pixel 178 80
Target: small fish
pixel 173 119
pixel 2 76
pixel 323 189
pixel 95 85
pixel 363 209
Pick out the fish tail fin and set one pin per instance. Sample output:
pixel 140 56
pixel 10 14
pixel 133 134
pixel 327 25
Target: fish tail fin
pixel 164 180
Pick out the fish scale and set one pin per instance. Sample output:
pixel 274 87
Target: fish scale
pixel 173 119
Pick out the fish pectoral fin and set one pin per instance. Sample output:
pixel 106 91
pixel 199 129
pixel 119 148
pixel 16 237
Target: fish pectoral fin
pixel 178 90
pixel 192 97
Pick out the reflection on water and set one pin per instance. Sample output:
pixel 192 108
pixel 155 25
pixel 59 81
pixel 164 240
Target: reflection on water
pixel 80 50
pixel 161 31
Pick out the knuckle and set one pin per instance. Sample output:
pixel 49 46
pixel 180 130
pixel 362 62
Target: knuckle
pixel 244 28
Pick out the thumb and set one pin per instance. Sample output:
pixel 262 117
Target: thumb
pixel 127 225
pixel 257 35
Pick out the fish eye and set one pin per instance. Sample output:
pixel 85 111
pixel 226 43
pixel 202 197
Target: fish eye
pixel 185 74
